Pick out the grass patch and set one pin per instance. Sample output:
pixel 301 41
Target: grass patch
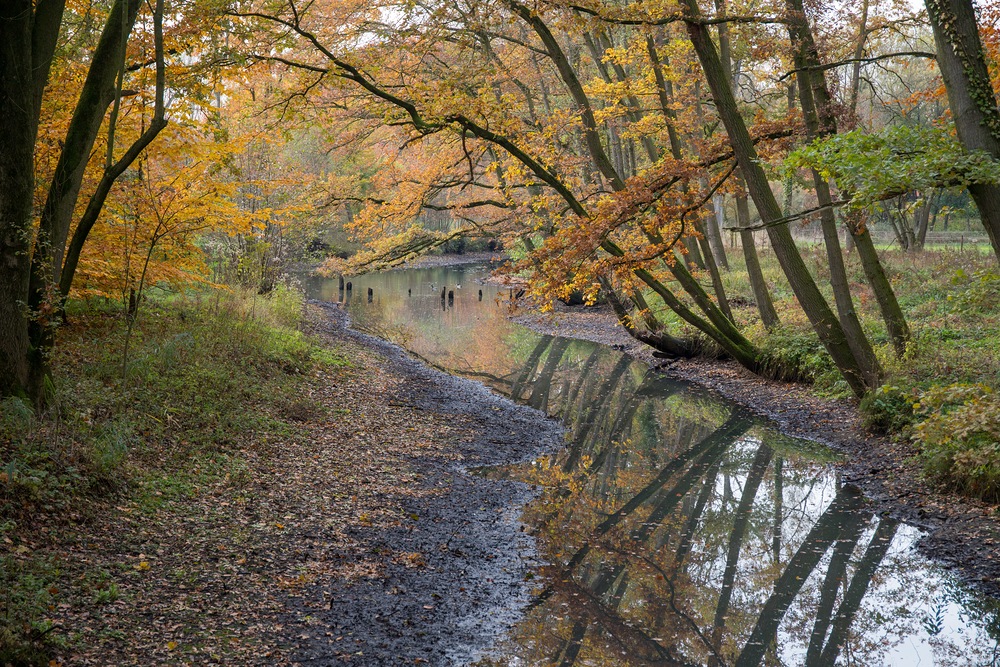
pixel 211 377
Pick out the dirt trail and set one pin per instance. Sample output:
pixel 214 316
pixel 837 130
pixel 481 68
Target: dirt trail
pixel 360 535
pixel 445 569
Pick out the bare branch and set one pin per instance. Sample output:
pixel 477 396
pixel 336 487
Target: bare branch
pixel 848 61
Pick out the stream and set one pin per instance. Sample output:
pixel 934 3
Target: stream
pixel 678 528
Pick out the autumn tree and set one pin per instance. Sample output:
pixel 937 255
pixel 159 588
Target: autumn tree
pixel 33 260
pixel 971 96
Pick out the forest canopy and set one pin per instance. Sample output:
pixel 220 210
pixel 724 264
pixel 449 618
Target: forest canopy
pixel 610 148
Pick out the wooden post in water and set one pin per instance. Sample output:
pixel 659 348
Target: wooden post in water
pixel 480 295
pixel 409 292
pixel 451 297
pixel 443 291
pixel 341 282
pixel 350 286
pixel 371 293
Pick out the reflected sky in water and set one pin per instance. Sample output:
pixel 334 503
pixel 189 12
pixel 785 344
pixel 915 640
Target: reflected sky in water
pixel 678 529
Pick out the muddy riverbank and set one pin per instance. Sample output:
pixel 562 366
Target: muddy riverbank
pixel 448 575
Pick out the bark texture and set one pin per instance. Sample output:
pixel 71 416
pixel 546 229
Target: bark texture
pixel 973 105
pixel 17 168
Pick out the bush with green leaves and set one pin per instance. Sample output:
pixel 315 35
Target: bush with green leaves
pixel 958 437
pixel 899 159
pixel 793 352
pixel 887 409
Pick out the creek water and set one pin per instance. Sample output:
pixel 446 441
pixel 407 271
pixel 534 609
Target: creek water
pixel 678 529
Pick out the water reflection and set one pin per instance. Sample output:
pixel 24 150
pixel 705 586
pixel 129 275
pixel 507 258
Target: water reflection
pixel 679 529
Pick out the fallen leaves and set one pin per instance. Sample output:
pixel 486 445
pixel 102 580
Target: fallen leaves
pixel 207 573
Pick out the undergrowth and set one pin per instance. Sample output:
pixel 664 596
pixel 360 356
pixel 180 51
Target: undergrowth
pixel 209 375
pixel 958 435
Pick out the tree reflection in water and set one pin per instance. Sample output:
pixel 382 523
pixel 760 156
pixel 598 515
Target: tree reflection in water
pixel 683 531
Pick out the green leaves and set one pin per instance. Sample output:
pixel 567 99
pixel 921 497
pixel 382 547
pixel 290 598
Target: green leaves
pixel 873 167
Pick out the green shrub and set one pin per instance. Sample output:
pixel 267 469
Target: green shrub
pixel 979 293
pixel 958 438
pixel 888 409
pixel 795 353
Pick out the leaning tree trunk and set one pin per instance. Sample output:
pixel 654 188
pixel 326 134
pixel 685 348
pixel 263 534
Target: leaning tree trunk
pixel 815 95
pixel 973 105
pixel 720 326
pixel 892 313
pixel 823 320
pixel 817 114
pixel 664 93
pixel 761 294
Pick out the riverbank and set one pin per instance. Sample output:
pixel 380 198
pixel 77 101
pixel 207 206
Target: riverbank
pixel 282 497
pixel 452 564
pixel 962 532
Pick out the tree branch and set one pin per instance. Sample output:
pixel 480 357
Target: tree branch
pixel 825 66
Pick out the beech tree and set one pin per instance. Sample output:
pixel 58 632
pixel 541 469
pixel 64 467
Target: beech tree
pixel 973 103
pixel 33 261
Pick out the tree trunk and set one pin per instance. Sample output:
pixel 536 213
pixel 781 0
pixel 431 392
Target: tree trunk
pixel 708 253
pixel 761 294
pixel 824 322
pixel 897 229
pixel 923 220
pixel 859 51
pixel 96 96
pixel 53 231
pixel 664 93
pixel 709 229
pixel 17 168
pixel 713 230
pixel 812 98
pixel 973 105
pixel 657 339
pixel 892 314
pixel 817 108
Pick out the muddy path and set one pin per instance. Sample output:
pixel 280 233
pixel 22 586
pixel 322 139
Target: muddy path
pixel 453 573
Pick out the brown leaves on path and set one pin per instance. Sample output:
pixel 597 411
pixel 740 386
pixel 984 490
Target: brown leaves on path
pixel 205 565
